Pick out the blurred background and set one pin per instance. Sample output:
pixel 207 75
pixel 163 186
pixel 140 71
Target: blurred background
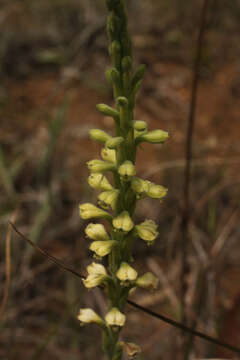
pixel 53 57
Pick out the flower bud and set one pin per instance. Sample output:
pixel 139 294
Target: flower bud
pixel 108 198
pixel 115 318
pixel 123 222
pixel 147 230
pixel 100 182
pixel 108 155
pixel 114 142
pixel 98 166
pixel 147 281
pixel 122 101
pixel 88 211
pixel 127 170
pixel 96 232
pixel 139 125
pixel 96 275
pixel 153 137
pixel 127 63
pixel 102 248
pixel 156 191
pixel 107 110
pixel 99 135
pixel 88 316
pixel 126 272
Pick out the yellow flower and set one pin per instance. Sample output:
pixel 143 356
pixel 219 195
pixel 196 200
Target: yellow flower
pixel 108 155
pixel 153 137
pixel 88 211
pixel 156 191
pixel 147 230
pixel 102 248
pixel 126 272
pixel 96 275
pixel 123 222
pixel 99 181
pixel 88 316
pixel 115 318
pixel 127 170
pixel 108 198
pixel 148 281
pixel 96 232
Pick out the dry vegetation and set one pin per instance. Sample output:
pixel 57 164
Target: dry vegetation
pixel 52 61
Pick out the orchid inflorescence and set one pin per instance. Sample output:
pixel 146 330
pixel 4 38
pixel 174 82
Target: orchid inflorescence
pixel 116 237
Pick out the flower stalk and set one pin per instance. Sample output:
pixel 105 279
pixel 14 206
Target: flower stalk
pixel 117 201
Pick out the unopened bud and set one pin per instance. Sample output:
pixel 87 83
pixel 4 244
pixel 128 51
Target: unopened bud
pixel 99 135
pixel 139 125
pixel 153 137
pixel 98 166
pixel 107 110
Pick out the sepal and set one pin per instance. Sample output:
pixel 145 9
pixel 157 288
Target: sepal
pixel 123 222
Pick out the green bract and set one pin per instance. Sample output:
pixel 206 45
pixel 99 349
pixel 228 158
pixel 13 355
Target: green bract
pixel 120 192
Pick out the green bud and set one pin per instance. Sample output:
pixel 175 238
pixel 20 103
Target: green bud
pixel 139 125
pixel 99 135
pixel 114 142
pixel 126 272
pixel 127 63
pixel 123 222
pixel 138 75
pixel 127 170
pixel 156 191
pixel 115 52
pixel 122 102
pixel 108 154
pixel 147 231
pixel 89 211
pixel 108 198
pixel 115 318
pixel 99 181
pixel 98 166
pixel 102 248
pixel 147 281
pixel 153 137
pixel 107 110
pixel 96 232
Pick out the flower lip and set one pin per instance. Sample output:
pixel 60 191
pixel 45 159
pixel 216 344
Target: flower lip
pixel 115 318
pixel 126 272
